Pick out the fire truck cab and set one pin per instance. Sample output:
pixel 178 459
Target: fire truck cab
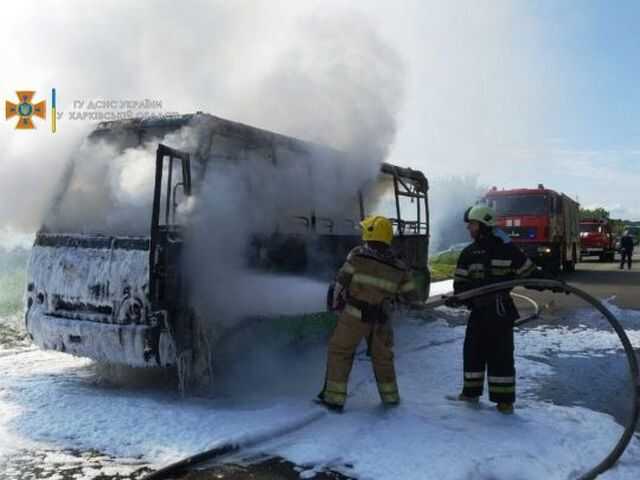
pixel 542 222
pixel 596 239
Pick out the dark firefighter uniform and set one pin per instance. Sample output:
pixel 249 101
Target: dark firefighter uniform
pixel 488 341
pixel 368 281
pixel 626 250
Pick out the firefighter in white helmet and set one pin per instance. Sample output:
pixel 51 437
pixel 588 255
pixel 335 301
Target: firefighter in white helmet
pixel 371 278
pixel 488 343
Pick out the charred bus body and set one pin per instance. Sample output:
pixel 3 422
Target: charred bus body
pixel 122 298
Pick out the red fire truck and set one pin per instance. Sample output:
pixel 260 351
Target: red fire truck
pixel 596 239
pixel 542 222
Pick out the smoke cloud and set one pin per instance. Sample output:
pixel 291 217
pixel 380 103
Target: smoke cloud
pixel 107 188
pixel 320 89
pixel 328 78
pixel 339 84
pixel 450 197
pixel 299 79
pixel 474 80
pixel 479 81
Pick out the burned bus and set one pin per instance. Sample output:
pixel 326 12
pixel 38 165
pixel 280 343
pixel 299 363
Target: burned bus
pixel 121 296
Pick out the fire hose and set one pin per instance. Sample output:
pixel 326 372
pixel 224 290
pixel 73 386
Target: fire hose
pixel 232 447
pixel 533 316
pixel 632 361
pixel 228 447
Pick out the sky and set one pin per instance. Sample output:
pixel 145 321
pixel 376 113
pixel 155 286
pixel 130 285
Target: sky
pixel 513 93
pixel 560 103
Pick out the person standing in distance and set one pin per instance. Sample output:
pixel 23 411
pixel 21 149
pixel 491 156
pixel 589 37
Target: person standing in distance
pixel 626 250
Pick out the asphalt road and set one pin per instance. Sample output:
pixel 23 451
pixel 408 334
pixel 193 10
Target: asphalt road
pixel 603 280
pixel 597 382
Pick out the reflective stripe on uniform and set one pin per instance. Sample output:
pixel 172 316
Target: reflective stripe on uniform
pixel 473 383
pixel 495 389
pixel 526 268
pixel 389 392
pixel 496 262
pixel 407 287
pixel 335 393
pixel 500 272
pixel 353 311
pixel 462 272
pixel 337 387
pixel 461 279
pixel 348 268
pixel 502 379
pixel 476 271
pixel 501 267
pixel 388 387
pixel 372 281
pixel 474 375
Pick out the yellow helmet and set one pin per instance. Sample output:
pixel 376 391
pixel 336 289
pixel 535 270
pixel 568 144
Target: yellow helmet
pixel 376 228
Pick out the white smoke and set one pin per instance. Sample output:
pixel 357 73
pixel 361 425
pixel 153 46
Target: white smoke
pixel 449 198
pixel 229 60
pixel 331 79
pixel 311 70
pixel 339 84
pixel 479 81
pixel 108 189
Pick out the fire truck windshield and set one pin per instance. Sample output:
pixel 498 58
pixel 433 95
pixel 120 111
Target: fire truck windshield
pixel 590 227
pixel 520 204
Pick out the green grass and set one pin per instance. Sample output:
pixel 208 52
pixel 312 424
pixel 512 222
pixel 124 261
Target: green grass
pixel 442 266
pixel 13 266
pixel 13 260
pixel 11 291
pixel 441 272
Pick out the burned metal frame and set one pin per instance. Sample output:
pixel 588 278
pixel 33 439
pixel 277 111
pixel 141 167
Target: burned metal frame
pixel 156 272
pixel 412 239
pixel 415 188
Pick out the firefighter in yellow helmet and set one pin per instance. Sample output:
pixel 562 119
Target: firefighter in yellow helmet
pixel 371 278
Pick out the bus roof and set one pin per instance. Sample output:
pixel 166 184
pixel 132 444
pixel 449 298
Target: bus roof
pixel 142 129
pixel 520 191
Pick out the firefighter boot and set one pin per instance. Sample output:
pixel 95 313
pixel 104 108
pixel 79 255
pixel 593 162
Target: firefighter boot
pixel 463 398
pixel 329 406
pixel 505 408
